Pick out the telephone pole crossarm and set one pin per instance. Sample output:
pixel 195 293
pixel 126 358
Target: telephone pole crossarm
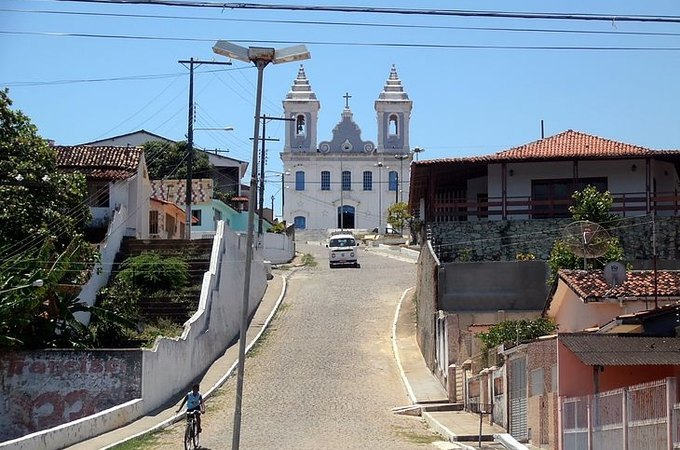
pixel 190 136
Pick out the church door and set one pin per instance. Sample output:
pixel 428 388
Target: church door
pixel 345 216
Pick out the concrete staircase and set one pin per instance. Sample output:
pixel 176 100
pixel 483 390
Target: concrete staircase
pixel 195 252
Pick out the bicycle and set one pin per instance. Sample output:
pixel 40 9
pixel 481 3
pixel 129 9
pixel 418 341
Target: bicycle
pixel 191 433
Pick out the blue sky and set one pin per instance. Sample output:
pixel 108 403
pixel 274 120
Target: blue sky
pixel 465 101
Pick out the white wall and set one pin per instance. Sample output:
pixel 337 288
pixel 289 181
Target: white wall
pixel 102 270
pixel 278 248
pixel 620 177
pixel 174 363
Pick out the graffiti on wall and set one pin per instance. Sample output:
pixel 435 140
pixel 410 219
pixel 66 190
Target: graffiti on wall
pixel 43 389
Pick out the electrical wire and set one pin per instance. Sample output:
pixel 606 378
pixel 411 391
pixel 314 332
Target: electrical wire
pixel 350 24
pixel 395 11
pixel 353 44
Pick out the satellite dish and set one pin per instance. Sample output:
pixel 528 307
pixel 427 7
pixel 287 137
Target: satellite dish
pixel 586 239
pixel 615 273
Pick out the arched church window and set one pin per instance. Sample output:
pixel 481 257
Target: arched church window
pixel 300 129
pixel 300 222
pixel 368 180
pixel 325 180
pixel 393 125
pixel 299 180
pixel 346 180
pixel 393 180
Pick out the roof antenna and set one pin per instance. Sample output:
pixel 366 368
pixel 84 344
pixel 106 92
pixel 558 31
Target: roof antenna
pixel 542 132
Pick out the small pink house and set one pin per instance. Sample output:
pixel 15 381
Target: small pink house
pixel 583 299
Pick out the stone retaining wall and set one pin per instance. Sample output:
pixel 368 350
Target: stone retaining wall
pixel 504 240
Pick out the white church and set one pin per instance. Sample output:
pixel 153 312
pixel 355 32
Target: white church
pixel 345 182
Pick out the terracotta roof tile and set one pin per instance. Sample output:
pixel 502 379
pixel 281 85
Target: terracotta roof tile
pixel 104 162
pixel 573 144
pixel 592 286
pixel 569 144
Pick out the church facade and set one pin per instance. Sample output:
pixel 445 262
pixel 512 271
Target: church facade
pixel 345 182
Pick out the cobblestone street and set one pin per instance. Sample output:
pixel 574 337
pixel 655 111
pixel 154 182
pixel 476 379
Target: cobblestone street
pixel 324 376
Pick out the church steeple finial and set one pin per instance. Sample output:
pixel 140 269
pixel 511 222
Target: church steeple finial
pixel 393 89
pixel 301 89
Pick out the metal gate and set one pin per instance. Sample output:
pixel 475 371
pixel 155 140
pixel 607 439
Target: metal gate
pixel 518 399
pixel 497 384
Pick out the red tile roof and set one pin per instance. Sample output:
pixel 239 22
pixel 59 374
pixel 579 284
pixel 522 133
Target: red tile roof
pixel 106 162
pixel 569 144
pixel 592 286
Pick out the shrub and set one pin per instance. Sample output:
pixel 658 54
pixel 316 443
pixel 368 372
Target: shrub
pixel 516 331
pixel 151 272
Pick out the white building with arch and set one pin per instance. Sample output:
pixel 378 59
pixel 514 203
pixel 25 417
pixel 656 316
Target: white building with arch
pixel 345 182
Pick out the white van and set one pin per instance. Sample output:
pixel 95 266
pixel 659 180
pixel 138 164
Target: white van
pixel 342 251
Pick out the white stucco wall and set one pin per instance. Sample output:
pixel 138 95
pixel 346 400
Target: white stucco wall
pixel 621 178
pixel 102 271
pixel 278 248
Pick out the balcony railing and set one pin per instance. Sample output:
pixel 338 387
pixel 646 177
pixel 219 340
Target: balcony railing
pixel 524 207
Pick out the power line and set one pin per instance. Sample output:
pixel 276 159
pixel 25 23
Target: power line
pixel 396 11
pixel 352 44
pixel 346 24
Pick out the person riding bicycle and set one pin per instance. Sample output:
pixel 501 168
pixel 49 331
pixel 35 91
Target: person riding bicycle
pixel 194 401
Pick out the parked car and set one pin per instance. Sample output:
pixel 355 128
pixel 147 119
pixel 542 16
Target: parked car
pixel 342 251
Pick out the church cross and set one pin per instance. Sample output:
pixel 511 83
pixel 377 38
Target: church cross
pixel 347 97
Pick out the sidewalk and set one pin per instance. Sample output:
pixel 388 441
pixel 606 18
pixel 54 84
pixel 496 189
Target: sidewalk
pixel 426 391
pixel 215 377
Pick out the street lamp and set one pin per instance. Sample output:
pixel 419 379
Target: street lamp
pixel 215 129
pixel 380 165
pixel 261 57
pixel 418 150
pixel 401 158
pixel 36 283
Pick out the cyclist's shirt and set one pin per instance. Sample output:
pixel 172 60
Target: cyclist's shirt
pixel 193 400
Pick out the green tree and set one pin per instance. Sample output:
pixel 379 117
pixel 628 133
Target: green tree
pixel 594 206
pixel 168 160
pixel 516 331
pixel 42 317
pixel 37 203
pixel 398 215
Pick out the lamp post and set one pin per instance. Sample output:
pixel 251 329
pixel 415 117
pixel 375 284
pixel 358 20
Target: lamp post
pixel 261 57
pixel 342 200
pixel 380 165
pixel 418 150
pixel 401 158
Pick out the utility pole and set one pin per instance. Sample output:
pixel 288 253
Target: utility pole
pixel 190 136
pixel 262 167
pixel 400 175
